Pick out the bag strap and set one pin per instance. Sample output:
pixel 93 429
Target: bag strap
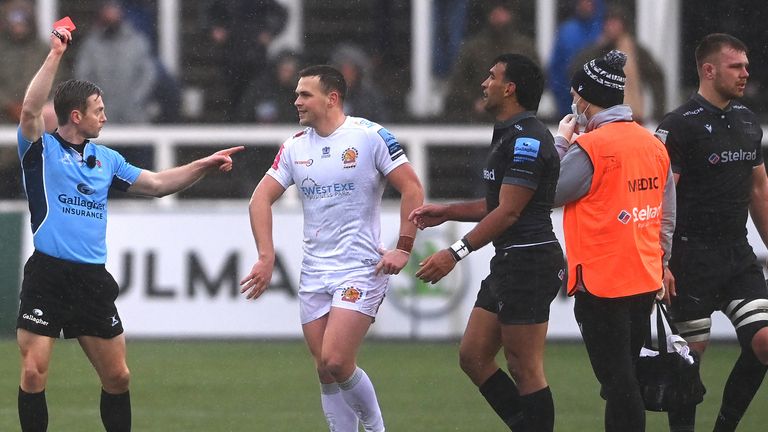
pixel 662 316
pixel 661 332
pixel 670 323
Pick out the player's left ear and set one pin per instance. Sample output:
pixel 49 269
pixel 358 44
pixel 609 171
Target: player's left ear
pixel 75 117
pixel 333 99
pixel 510 89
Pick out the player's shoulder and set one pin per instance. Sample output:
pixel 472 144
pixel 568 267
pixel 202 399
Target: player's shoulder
pixel 297 137
pixel 686 115
pixel 527 129
pixel 365 126
pixel 743 111
pixel 374 132
pixel 534 128
pixel 691 110
pixel 103 149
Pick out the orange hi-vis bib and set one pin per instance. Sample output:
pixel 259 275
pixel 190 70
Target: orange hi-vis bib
pixel 612 234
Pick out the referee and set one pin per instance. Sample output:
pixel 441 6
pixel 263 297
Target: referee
pixel 66 288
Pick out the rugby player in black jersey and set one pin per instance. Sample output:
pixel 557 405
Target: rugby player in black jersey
pixel 512 307
pixel 714 144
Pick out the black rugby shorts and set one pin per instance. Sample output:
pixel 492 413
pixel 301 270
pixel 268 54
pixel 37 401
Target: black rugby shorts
pixel 62 296
pixel 709 275
pixel 522 284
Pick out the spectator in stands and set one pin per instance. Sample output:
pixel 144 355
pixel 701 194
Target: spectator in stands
pixel 142 14
pixel 165 99
pixel 449 24
pixel 119 58
pixel 464 101
pixel 241 32
pixel 577 32
pixel 642 71
pixel 270 100
pixel 364 98
pixel 22 54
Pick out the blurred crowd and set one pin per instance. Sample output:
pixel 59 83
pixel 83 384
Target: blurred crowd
pixel 233 71
pixel 248 81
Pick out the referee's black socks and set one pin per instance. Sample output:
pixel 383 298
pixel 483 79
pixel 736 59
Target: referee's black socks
pixel 33 411
pixel 116 411
pixel 502 395
pixel 539 410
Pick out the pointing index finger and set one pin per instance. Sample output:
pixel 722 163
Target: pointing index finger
pixel 231 150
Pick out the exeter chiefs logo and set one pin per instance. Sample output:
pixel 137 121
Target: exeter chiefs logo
pixel 349 157
pixel 351 295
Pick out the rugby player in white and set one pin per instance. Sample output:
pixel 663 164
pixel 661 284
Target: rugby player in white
pixel 340 165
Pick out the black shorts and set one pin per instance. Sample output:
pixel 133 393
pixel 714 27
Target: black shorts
pixel 522 284
pixel 708 276
pixel 78 299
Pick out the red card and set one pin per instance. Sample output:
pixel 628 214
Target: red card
pixel 65 22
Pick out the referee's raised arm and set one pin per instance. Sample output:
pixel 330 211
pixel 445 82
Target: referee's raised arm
pixel 31 121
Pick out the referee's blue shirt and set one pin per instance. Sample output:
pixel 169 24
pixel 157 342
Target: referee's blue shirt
pixel 68 199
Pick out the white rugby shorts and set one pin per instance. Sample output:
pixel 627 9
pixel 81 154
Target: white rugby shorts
pixel 358 289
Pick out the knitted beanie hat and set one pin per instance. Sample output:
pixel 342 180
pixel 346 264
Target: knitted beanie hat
pixel 601 81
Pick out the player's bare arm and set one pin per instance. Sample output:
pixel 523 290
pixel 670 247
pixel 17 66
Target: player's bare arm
pixel 430 215
pixel 405 181
pixel 31 121
pixel 260 210
pixel 512 201
pixel 166 182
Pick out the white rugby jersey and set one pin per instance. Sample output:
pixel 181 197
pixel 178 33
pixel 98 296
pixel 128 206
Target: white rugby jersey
pixel 341 181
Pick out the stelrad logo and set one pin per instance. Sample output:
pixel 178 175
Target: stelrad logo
pixel 732 156
pixel 642 215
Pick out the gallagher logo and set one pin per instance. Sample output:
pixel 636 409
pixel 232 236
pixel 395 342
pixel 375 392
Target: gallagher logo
pixel 85 189
pixel 624 217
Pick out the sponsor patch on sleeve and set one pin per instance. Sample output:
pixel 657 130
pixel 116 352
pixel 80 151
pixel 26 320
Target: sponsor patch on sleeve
pixel 662 134
pixel 395 150
pixel 526 148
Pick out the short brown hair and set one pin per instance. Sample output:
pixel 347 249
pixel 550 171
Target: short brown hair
pixel 330 78
pixel 713 43
pixel 73 95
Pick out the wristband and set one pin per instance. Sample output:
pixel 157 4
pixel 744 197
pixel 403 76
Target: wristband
pixel 460 249
pixel 405 243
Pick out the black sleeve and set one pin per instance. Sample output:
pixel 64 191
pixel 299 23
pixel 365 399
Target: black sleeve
pixel 670 132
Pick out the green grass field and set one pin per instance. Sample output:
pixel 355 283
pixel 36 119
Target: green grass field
pixel 270 386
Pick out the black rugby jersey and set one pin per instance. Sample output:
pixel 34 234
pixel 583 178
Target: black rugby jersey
pixel 523 153
pixel 714 151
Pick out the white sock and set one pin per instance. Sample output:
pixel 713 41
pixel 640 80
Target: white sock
pixel 338 414
pixel 359 393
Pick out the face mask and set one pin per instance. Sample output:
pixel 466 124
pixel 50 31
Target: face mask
pixel 581 118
